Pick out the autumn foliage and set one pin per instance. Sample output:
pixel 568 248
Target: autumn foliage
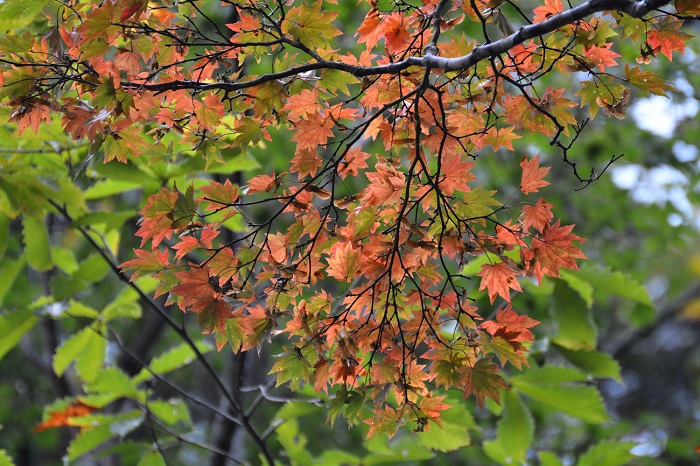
pixel 369 255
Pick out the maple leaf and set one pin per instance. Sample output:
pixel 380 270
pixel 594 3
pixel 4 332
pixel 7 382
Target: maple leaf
pixel 537 216
pixel 386 185
pixel 147 262
pixel 648 82
pixel 394 31
pixel 353 161
pixel 483 381
pixel 156 222
pixel 601 56
pixel 306 162
pixel 195 288
pixel 262 183
pixel 509 321
pixel 298 105
pixel 455 174
pixel 218 195
pixel 384 421
pixel 551 7
pixel 555 250
pixel 370 31
pixel 344 262
pixel 197 240
pixel 64 417
pixel 311 25
pixel 498 279
pixel 432 406
pixel 506 349
pixel 312 131
pixel 532 178
pixel 668 37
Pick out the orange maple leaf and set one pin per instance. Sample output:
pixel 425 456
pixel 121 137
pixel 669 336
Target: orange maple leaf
pixel 551 7
pixel 499 279
pixel 668 38
pixel 312 131
pixel 537 216
pixel 533 175
pixel 344 261
pixel 63 418
pixel 601 56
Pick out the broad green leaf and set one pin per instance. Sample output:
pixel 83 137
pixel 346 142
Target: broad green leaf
pixel 9 270
pixel 572 317
pixel 16 14
pixel 295 409
pixel 592 363
pixel 580 286
pixel 547 458
pixel 294 442
pixel 514 433
pixel 92 357
pixel 171 412
pixel 454 432
pixel 111 220
pixel 152 458
pixel 172 359
pixel 121 310
pixel 92 269
pixel 608 281
pixel 37 248
pixel 550 375
pixel 64 259
pixel 607 454
pixel 69 350
pixel 114 382
pixel 87 439
pixel 581 401
pixel 13 325
pixel 108 188
pixel 78 309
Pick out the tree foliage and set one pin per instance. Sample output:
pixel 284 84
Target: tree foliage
pixel 370 252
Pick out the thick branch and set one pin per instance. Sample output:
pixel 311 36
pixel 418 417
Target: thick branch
pixel 633 8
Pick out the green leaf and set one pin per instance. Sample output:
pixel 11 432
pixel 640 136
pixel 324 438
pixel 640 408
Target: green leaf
pixel 171 412
pixel 69 349
pixel 78 309
pixel 454 433
pixel 613 282
pixel 108 188
pixel 172 359
pixel 152 458
pixel 572 317
pixel 580 286
pixel 87 439
pixel 547 458
pixel 114 382
pixel 514 433
pixel 556 387
pixel 594 364
pixel 9 270
pixel 36 243
pixel 607 454
pixel 4 233
pixel 16 14
pixel 111 220
pixel 292 367
pixel 13 325
pixel 64 259
pixel 92 357
pixel 295 409
pixel 92 269
pixel 5 459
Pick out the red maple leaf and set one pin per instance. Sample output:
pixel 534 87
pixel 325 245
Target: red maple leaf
pixel 667 37
pixel 64 417
pixel 456 174
pixel 156 222
pixel 499 279
pixel 537 216
pixel 555 250
pixel 601 56
pixel 551 7
pixel 482 380
pixel 353 161
pixel 299 105
pixel 195 288
pixel 313 131
pixel 509 321
pixel 533 175
pixel 147 262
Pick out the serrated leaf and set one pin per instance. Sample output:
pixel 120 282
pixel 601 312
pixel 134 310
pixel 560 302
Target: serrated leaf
pixel 91 358
pixel 16 14
pixel 172 359
pixel 614 282
pixel 69 350
pixel 575 399
pixel 13 325
pixel 87 439
pixel 171 411
pixel 37 247
pixel 5 459
pixel 607 454
pixel 594 364
pixel 114 382
pixel 78 309
pixel 9 270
